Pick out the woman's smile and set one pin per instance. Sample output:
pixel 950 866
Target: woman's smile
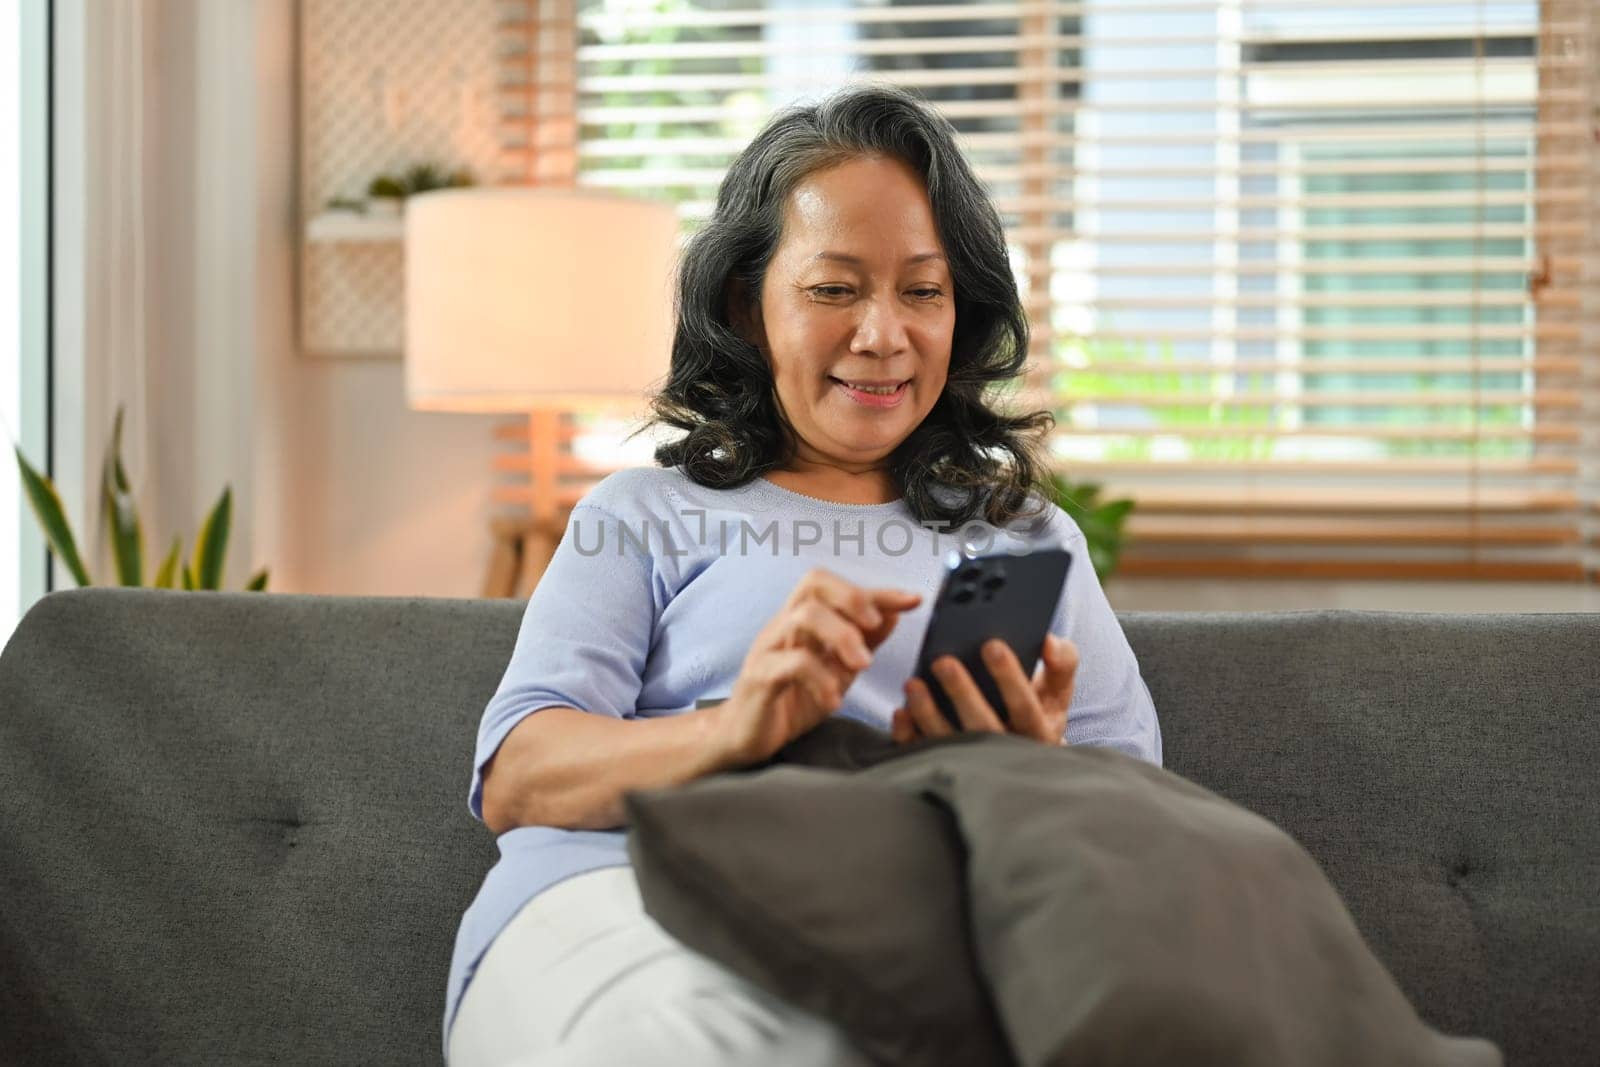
pixel 873 393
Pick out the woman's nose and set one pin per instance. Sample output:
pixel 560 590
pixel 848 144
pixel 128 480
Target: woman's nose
pixel 882 329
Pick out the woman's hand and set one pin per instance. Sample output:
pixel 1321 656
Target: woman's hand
pixel 802 661
pixel 1035 708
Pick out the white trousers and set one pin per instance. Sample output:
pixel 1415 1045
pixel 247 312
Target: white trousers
pixel 582 976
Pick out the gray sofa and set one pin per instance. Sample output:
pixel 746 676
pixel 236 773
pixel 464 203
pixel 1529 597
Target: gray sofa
pixel 233 826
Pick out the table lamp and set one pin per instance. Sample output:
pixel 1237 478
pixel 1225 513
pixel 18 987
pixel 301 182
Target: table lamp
pixel 536 300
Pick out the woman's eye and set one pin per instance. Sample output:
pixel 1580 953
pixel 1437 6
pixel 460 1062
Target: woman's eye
pixel 839 290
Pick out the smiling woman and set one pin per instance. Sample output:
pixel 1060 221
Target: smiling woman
pixel 838 322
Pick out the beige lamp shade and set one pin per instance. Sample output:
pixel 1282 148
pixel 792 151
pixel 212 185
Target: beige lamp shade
pixel 520 299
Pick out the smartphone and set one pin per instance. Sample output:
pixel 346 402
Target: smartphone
pixel 1006 596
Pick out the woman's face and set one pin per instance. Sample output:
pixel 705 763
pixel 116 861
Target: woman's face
pixel 857 313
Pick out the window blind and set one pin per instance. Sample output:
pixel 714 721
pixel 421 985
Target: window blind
pixel 1314 282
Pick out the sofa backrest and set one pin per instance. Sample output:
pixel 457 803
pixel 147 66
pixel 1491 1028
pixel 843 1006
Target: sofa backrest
pixel 1443 769
pixel 233 826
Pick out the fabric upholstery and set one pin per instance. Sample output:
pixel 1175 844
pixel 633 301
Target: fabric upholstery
pixel 232 826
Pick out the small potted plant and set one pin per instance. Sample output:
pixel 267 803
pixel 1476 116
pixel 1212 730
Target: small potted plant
pixel 1102 521
pixel 384 196
pixel 120 516
pixel 426 177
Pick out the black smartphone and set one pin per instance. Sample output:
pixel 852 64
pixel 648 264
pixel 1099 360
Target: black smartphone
pixel 1012 597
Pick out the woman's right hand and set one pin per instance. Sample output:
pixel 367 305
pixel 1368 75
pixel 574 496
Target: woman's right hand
pixel 802 661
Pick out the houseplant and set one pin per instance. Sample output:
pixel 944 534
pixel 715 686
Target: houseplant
pixel 202 570
pixel 387 192
pixel 1102 522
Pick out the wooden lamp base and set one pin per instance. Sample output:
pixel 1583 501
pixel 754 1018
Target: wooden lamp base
pixel 523 544
pixel 522 549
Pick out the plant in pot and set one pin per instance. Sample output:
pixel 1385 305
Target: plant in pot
pixel 384 195
pixel 387 192
pixel 1102 522
pixel 425 177
pixel 202 570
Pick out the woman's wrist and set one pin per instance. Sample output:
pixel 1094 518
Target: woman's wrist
pixel 727 741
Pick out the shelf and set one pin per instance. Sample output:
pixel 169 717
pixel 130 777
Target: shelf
pixel 332 226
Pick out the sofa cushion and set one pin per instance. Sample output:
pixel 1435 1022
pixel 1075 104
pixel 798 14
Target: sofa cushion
pixel 234 826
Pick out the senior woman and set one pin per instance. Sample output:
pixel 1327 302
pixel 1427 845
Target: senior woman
pixel 839 320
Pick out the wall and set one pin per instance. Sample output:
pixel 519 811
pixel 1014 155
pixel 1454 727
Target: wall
pixel 355 493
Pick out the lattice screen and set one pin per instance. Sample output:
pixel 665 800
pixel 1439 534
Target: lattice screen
pixel 386 84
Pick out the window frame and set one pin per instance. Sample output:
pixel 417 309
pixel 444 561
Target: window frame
pixel 30 566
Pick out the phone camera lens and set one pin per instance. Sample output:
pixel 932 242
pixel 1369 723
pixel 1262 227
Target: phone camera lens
pixel 962 596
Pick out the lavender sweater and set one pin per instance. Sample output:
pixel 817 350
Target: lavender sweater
pixel 649 606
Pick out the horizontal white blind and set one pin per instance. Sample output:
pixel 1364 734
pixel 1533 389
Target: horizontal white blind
pixel 1314 282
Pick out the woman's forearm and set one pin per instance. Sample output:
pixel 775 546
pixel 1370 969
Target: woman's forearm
pixel 568 768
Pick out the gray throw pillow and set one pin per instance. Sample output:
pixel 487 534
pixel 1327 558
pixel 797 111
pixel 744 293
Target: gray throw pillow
pixel 1107 911
pixel 1124 915
pixel 844 896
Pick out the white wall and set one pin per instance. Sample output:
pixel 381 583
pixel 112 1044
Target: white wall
pixel 355 493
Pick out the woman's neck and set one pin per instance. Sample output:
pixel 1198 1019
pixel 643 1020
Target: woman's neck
pixel 838 484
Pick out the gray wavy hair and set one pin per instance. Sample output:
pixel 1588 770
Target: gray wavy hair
pixel 966 460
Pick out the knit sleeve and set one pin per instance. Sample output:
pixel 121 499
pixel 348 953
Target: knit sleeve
pixel 585 634
pixel 1111 704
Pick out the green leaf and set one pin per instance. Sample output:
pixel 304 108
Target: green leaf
pixel 122 513
pixel 46 503
pixel 1104 560
pixel 1114 514
pixel 1079 499
pixel 258 583
pixel 167 574
pixel 1101 523
pixel 188 576
pixel 211 545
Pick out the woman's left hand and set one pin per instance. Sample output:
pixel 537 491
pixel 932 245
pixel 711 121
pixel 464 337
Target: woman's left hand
pixel 1035 707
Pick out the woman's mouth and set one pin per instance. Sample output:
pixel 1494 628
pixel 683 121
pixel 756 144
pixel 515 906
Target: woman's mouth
pixel 873 394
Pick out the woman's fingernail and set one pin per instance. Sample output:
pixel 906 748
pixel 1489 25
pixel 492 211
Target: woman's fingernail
pixel 991 650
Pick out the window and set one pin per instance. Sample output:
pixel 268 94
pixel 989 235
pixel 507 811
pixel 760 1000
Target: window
pixel 1314 282
pixel 24 110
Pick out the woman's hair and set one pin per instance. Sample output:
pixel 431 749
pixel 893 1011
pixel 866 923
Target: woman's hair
pixel 720 387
